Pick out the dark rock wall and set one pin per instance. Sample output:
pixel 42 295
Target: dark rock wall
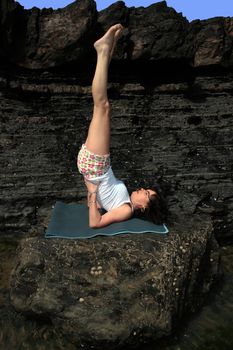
pixel 178 131
pixel 171 94
pixel 44 38
pixel 39 39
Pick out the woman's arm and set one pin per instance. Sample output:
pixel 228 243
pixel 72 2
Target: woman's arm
pixel 122 213
pixel 94 214
pixel 88 199
pixel 96 220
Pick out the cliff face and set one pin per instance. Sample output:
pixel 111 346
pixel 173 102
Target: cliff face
pixel 171 94
pixel 46 38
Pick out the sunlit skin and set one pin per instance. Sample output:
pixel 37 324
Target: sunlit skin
pixel 141 198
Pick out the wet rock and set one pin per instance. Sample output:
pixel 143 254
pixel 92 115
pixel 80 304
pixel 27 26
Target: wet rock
pixel 147 284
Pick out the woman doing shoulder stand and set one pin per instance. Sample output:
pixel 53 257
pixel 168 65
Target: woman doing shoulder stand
pixel 104 190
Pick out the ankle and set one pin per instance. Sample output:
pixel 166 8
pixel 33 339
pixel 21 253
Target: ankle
pixel 103 50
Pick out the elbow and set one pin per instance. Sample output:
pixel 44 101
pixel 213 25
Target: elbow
pixel 91 225
pixel 96 224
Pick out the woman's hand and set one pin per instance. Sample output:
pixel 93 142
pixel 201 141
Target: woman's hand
pixel 90 186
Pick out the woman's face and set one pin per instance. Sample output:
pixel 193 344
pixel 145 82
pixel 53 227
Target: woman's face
pixel 141 197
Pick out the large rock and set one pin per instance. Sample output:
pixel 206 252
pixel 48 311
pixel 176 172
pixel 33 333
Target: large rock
pixel 213 42
pixel 113 291
pixel 47 38
pixel 41 39
pixel 154 33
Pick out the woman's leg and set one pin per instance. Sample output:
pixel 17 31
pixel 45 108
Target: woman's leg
pixel 98 138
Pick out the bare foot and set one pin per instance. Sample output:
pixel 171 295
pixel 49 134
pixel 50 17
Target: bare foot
pixel 116 37
pixel 108 41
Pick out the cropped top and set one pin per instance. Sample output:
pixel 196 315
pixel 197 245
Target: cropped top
pixel 112 192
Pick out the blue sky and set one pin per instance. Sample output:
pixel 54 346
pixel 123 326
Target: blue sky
pixel 191 9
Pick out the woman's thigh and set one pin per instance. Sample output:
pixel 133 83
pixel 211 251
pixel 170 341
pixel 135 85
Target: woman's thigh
pixel 98 139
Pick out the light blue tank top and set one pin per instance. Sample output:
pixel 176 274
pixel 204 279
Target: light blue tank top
pixel 112 192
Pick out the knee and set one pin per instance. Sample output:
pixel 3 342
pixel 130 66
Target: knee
pixel 103 105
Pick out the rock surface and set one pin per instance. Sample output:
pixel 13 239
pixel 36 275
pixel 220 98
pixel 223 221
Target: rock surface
pixel 170 87
pixel 170 120
pixel 180 132
pixel 46 38
pixel 40 39
pixel 126 290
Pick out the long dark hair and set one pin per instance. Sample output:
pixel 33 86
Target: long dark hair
pixel 157 210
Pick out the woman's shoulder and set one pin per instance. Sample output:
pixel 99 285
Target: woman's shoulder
pixel 118 214
pixel 124 210
pixel 127 207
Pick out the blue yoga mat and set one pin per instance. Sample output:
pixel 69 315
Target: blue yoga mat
pixel 71 221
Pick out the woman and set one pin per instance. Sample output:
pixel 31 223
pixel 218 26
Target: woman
pixel 104 190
